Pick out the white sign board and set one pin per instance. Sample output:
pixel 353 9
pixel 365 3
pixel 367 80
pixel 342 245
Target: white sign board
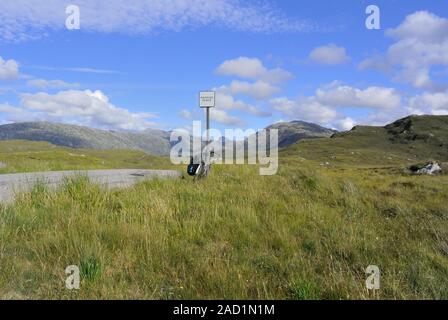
pixel 207 99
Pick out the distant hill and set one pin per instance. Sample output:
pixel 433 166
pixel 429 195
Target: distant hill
pixel 293 131
pixel 407 140
pixel 151 141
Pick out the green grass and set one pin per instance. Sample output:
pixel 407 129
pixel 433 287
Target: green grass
pixel 28 156
pixel 308 232
pixel 366 147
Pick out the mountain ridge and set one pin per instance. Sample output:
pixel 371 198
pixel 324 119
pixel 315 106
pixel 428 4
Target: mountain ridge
pixel 150 140
pixel 296 130
pixel 412 135
pixel 68 135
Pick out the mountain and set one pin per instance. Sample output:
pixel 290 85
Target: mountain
pixel 413 134
pixel 291 132
pixel 151 141
pixel 408 140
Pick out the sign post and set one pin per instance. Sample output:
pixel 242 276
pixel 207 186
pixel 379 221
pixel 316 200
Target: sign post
pixel 207 100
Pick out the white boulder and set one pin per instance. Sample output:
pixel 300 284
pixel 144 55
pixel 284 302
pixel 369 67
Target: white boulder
pixel 430 168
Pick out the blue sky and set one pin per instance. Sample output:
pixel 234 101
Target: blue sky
pixel 139 64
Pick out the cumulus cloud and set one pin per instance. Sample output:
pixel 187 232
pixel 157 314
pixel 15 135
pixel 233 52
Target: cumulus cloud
pixel 252 68
pixel 371 97
pixel 429 103
pixel 305 108
pixel 50 84
pixel 421 44
pixel 142 17
pixel 223 117
pixel 423 26
pixel 257 90
pixel 312 110
pixel 263 87
pixel 381 118
pixel 228 102
pixel 330 54
pixel 9 69
pixel 7 108
pixel 345 124
pixel 90 108
pixel 325 107
pixel 376 62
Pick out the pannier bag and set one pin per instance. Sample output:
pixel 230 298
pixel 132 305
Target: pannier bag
pixel 193 169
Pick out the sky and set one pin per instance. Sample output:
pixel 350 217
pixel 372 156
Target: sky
pixel 139 64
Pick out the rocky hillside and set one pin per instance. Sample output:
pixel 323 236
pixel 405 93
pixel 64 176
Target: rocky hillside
pixel 407 140
pixel 433 130
pixel 151 141
pixel 291 132
pixel 419 135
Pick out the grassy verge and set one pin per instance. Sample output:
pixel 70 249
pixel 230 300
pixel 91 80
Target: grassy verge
pixel 307 233
pixel 28 156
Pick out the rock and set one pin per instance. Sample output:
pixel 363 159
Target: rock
pixel 429 168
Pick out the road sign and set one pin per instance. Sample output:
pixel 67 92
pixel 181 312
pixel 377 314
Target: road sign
pixel 207 99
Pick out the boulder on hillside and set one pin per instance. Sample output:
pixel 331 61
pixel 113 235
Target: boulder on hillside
pixel 427 168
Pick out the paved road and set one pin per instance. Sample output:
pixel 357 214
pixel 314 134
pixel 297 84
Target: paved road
pixel 10 184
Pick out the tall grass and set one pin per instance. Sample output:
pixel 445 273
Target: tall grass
pixel 307 233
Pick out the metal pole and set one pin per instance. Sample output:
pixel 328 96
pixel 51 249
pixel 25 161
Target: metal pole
pixel 208 125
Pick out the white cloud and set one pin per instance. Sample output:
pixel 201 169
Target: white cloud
pixel 90 108
pixel 422 43
pixel 48 84
pixel 77 69
pixel 257 90
pixel 261 88
pixel 228 102
pixel 345 124
pixel 371 97
pixel 382 106
pixel 9 69
pixel 312 110
pixel 305 108
pixel 330 54
pixel 252 68
pixel 423 26
pixel 377 62
pixel 7 108
pixel 24 19
pixel 381 118
pixel 222 117
pixel 429 103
